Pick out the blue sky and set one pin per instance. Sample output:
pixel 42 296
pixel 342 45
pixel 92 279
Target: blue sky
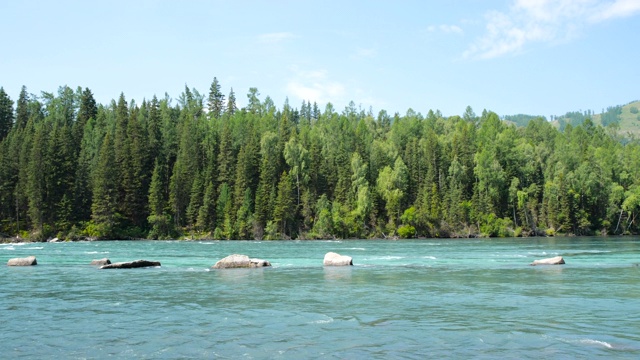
pixel 539 57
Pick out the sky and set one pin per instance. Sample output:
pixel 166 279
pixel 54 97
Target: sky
pixel 536 57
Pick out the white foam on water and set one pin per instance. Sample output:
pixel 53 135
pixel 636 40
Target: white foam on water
pixel 356 248
pixel 326 320
pixel 429 257
pixel 387 258
pixel 9 248
pixel 35 248
pixel 596 342
pixel 587 342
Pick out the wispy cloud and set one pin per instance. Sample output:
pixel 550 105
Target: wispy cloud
pixel 275 38
pixel 314 85
pixel 530 21
pixel 364 53
pixel 616 9
pixel 447 29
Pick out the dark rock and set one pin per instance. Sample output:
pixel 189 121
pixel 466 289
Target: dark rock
pixel 334 259
pixel 131 264
pixel 28 261
pixel 100 262
pixel 558 260
pixel 236 261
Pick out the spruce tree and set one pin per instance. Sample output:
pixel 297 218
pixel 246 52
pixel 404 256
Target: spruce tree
pixel 36 185
pixel 215 101
pixel 22 109
pixel 6 113
pixel 104 209
pixel 159 218
pixel 231 103
pixel 285 205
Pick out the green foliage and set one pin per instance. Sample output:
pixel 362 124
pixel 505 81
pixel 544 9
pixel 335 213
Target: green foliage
pixel 406 232
pixel 6 113
pixel 75 168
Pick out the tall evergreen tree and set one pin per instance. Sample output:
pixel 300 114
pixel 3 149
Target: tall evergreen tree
pixel 284 209
pixel 36 186
pixel 231 103
pixel 159 217
pixel 104 209
pixel 22 108
pixel 215 101
pixel 6 113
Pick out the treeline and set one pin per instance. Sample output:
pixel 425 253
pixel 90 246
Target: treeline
pixel 201 167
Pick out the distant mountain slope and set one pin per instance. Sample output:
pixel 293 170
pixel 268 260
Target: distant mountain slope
pixel 628 119
pixel 626 116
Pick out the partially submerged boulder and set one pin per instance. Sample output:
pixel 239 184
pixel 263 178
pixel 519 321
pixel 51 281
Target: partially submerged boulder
pixel 100 262
pixel 558 260
pixel 335 259
pixel 131 264
pixel 28 261
pixel 236 261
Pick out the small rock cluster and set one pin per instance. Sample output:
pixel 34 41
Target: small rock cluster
pixel 235 261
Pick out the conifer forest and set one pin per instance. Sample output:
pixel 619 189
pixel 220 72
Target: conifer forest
pixel 199 166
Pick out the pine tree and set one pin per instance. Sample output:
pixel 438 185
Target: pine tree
pixel 284 209
pixel 216 100
pixel 104 212
pixel 195 199
pixel 246 171
pixel 6 114
pixel 226 158
pixel 268 178
pixel 136 178
pixel 159 218
pixel 88 110
pixel 36 185
pixel 231 103
pixel 206 213
pixel 120 144
pixel 22 109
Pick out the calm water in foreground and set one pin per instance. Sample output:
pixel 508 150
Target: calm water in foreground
pixel 401 299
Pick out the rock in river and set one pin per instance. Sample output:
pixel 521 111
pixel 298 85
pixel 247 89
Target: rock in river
pixel 334 259
pixel 131 264
pixel 240 261
pixel 100 262
pixel 28 261
pixel 558 260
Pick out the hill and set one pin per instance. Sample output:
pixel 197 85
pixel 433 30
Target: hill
pixel 628 119
pixel 626 116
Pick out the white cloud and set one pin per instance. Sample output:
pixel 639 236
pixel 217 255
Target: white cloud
pixel 530 21
pixel 362 53
pixel 275 38
pixel 616 9
pixel 315 85
pixel 447 29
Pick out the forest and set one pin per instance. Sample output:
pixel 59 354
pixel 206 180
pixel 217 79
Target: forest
pixel 200 167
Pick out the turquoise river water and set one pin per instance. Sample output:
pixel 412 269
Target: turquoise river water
pixel 410 299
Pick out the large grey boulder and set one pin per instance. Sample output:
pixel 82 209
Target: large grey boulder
pixel 558 260
pixel 335 259
pixel 131 264
pixel 236 261
pixel 100 262
pixel 28 261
